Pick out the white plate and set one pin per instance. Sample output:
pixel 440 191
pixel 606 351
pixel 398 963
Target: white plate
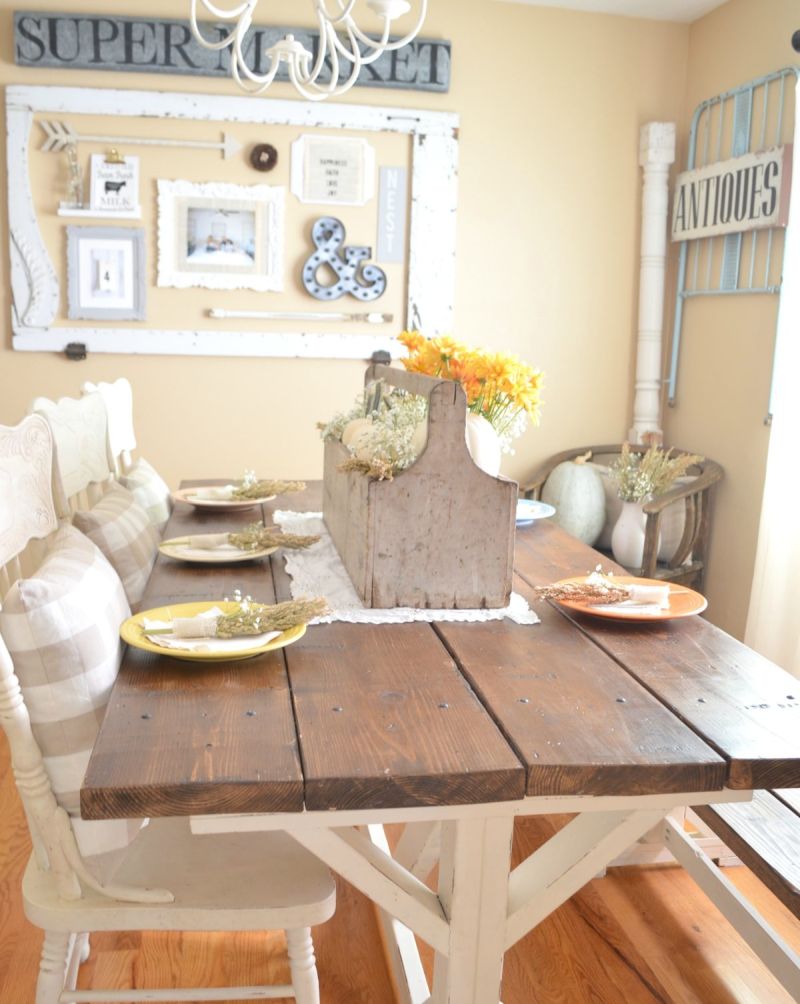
pixel 188 495
pixel 530 509
pixel 182 552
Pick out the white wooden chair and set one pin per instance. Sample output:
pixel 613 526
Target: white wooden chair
pixel 168 878
pixel 138 476
pixel 118 399
pixel 83 463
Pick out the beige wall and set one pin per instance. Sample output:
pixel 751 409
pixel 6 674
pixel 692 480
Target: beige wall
pixel 547 235
pixel 551 104
pixel 727 342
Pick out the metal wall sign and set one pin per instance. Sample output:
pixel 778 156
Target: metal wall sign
pixel 733 196
pixel 165 45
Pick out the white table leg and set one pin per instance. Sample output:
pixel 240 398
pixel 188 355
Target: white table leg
pixel 473 888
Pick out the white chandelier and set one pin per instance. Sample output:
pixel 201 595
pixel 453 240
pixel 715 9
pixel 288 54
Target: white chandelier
pixel 341 43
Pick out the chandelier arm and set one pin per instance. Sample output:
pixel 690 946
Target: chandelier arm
pixel 200 37
pixel 245 84
pixel 239 66
pixel 400 42
pixel 378 47
pixel 344 11
pixel 319 94
pixel 319 62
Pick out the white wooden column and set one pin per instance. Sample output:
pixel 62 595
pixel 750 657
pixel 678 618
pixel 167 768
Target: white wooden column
pixel 656 153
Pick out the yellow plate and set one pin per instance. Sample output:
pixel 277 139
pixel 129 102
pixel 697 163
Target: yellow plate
pixel 182 552
pixel 132 632
pixel 683 602
pixel 229 505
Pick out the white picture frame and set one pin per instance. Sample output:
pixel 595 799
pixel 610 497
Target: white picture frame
pixel 333 170
pixel 114 184
pixel 220 236
pixel 105 274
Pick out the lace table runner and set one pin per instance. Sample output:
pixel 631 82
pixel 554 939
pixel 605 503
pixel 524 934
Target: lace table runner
pixel 318 571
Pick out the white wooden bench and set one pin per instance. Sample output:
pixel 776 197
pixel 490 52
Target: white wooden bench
pixel 765 835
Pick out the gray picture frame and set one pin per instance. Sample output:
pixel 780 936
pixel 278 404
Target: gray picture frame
pixel 105 274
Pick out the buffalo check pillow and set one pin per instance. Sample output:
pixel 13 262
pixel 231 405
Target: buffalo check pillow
pixel 150 491
pixel 61 627
pixel 120 528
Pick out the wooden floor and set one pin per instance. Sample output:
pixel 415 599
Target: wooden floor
pixel 638 936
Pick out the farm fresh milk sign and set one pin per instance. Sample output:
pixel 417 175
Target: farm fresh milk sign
pixel 745 193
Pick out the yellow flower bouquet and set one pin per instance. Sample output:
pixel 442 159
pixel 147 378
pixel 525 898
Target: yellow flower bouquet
pixel 498 386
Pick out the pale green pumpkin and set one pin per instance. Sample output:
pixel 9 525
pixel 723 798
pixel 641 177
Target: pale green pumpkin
pixel 576 490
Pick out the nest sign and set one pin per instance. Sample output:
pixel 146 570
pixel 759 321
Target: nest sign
pixel 744 193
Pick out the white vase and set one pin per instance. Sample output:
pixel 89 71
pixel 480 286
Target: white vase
pixel 627 538
pixel 483 443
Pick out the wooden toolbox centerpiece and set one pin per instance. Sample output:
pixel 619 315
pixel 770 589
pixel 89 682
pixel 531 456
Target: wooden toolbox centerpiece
pixel 441 533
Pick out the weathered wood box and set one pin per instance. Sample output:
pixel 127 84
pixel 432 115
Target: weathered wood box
pixel 441 533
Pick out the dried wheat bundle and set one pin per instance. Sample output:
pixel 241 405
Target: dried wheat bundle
pixel 250 619
pixel 583 592
pixel 265 488
pixel 256 536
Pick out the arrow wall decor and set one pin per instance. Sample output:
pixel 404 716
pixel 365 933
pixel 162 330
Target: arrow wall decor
pixel 59 135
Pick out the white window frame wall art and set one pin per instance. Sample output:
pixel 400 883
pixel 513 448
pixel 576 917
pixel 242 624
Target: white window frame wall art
pixel 37 296
pixel 220 236
pixel 333 170
pixel 105 274
pixel 114 185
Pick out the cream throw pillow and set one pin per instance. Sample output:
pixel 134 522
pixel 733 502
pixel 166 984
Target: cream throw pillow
pixel 120 528
pixel 61 627
pixel 150 491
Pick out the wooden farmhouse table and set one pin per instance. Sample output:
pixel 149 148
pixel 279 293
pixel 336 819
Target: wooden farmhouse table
pixel 450 728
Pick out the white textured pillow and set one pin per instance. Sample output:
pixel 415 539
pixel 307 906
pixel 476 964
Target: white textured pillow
pixel 61 627
pixel 120 528
pixel 150 491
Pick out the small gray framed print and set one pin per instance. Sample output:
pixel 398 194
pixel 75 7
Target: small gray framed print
pixel 105 273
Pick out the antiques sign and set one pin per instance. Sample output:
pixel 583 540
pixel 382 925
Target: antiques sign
pixel 165 45
pixel 745 193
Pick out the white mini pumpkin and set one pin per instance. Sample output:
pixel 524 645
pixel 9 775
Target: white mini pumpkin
pixel 354 429
pixel 576 490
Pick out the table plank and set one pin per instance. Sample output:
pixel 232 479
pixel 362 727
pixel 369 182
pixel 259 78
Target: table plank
pixel 741 704
pixel 578 721
pixel 184 737
pixel 385 719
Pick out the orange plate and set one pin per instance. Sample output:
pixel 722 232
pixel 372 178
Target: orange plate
pixel 185 495
pixel 683 602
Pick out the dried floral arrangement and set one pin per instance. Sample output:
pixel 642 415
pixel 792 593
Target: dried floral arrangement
pixel 498 386
pixel 384 432
pixel 639 475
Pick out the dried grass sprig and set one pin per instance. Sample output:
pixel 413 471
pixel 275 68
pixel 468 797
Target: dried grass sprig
pixel 265 488
pixel 378 468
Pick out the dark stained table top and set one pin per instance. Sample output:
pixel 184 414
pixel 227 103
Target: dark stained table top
pixel 357 716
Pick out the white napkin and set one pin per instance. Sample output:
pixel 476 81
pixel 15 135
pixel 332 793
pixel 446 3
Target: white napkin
pixel 650 595
pixel 222 494
pixel 216 645
pixel 210 542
